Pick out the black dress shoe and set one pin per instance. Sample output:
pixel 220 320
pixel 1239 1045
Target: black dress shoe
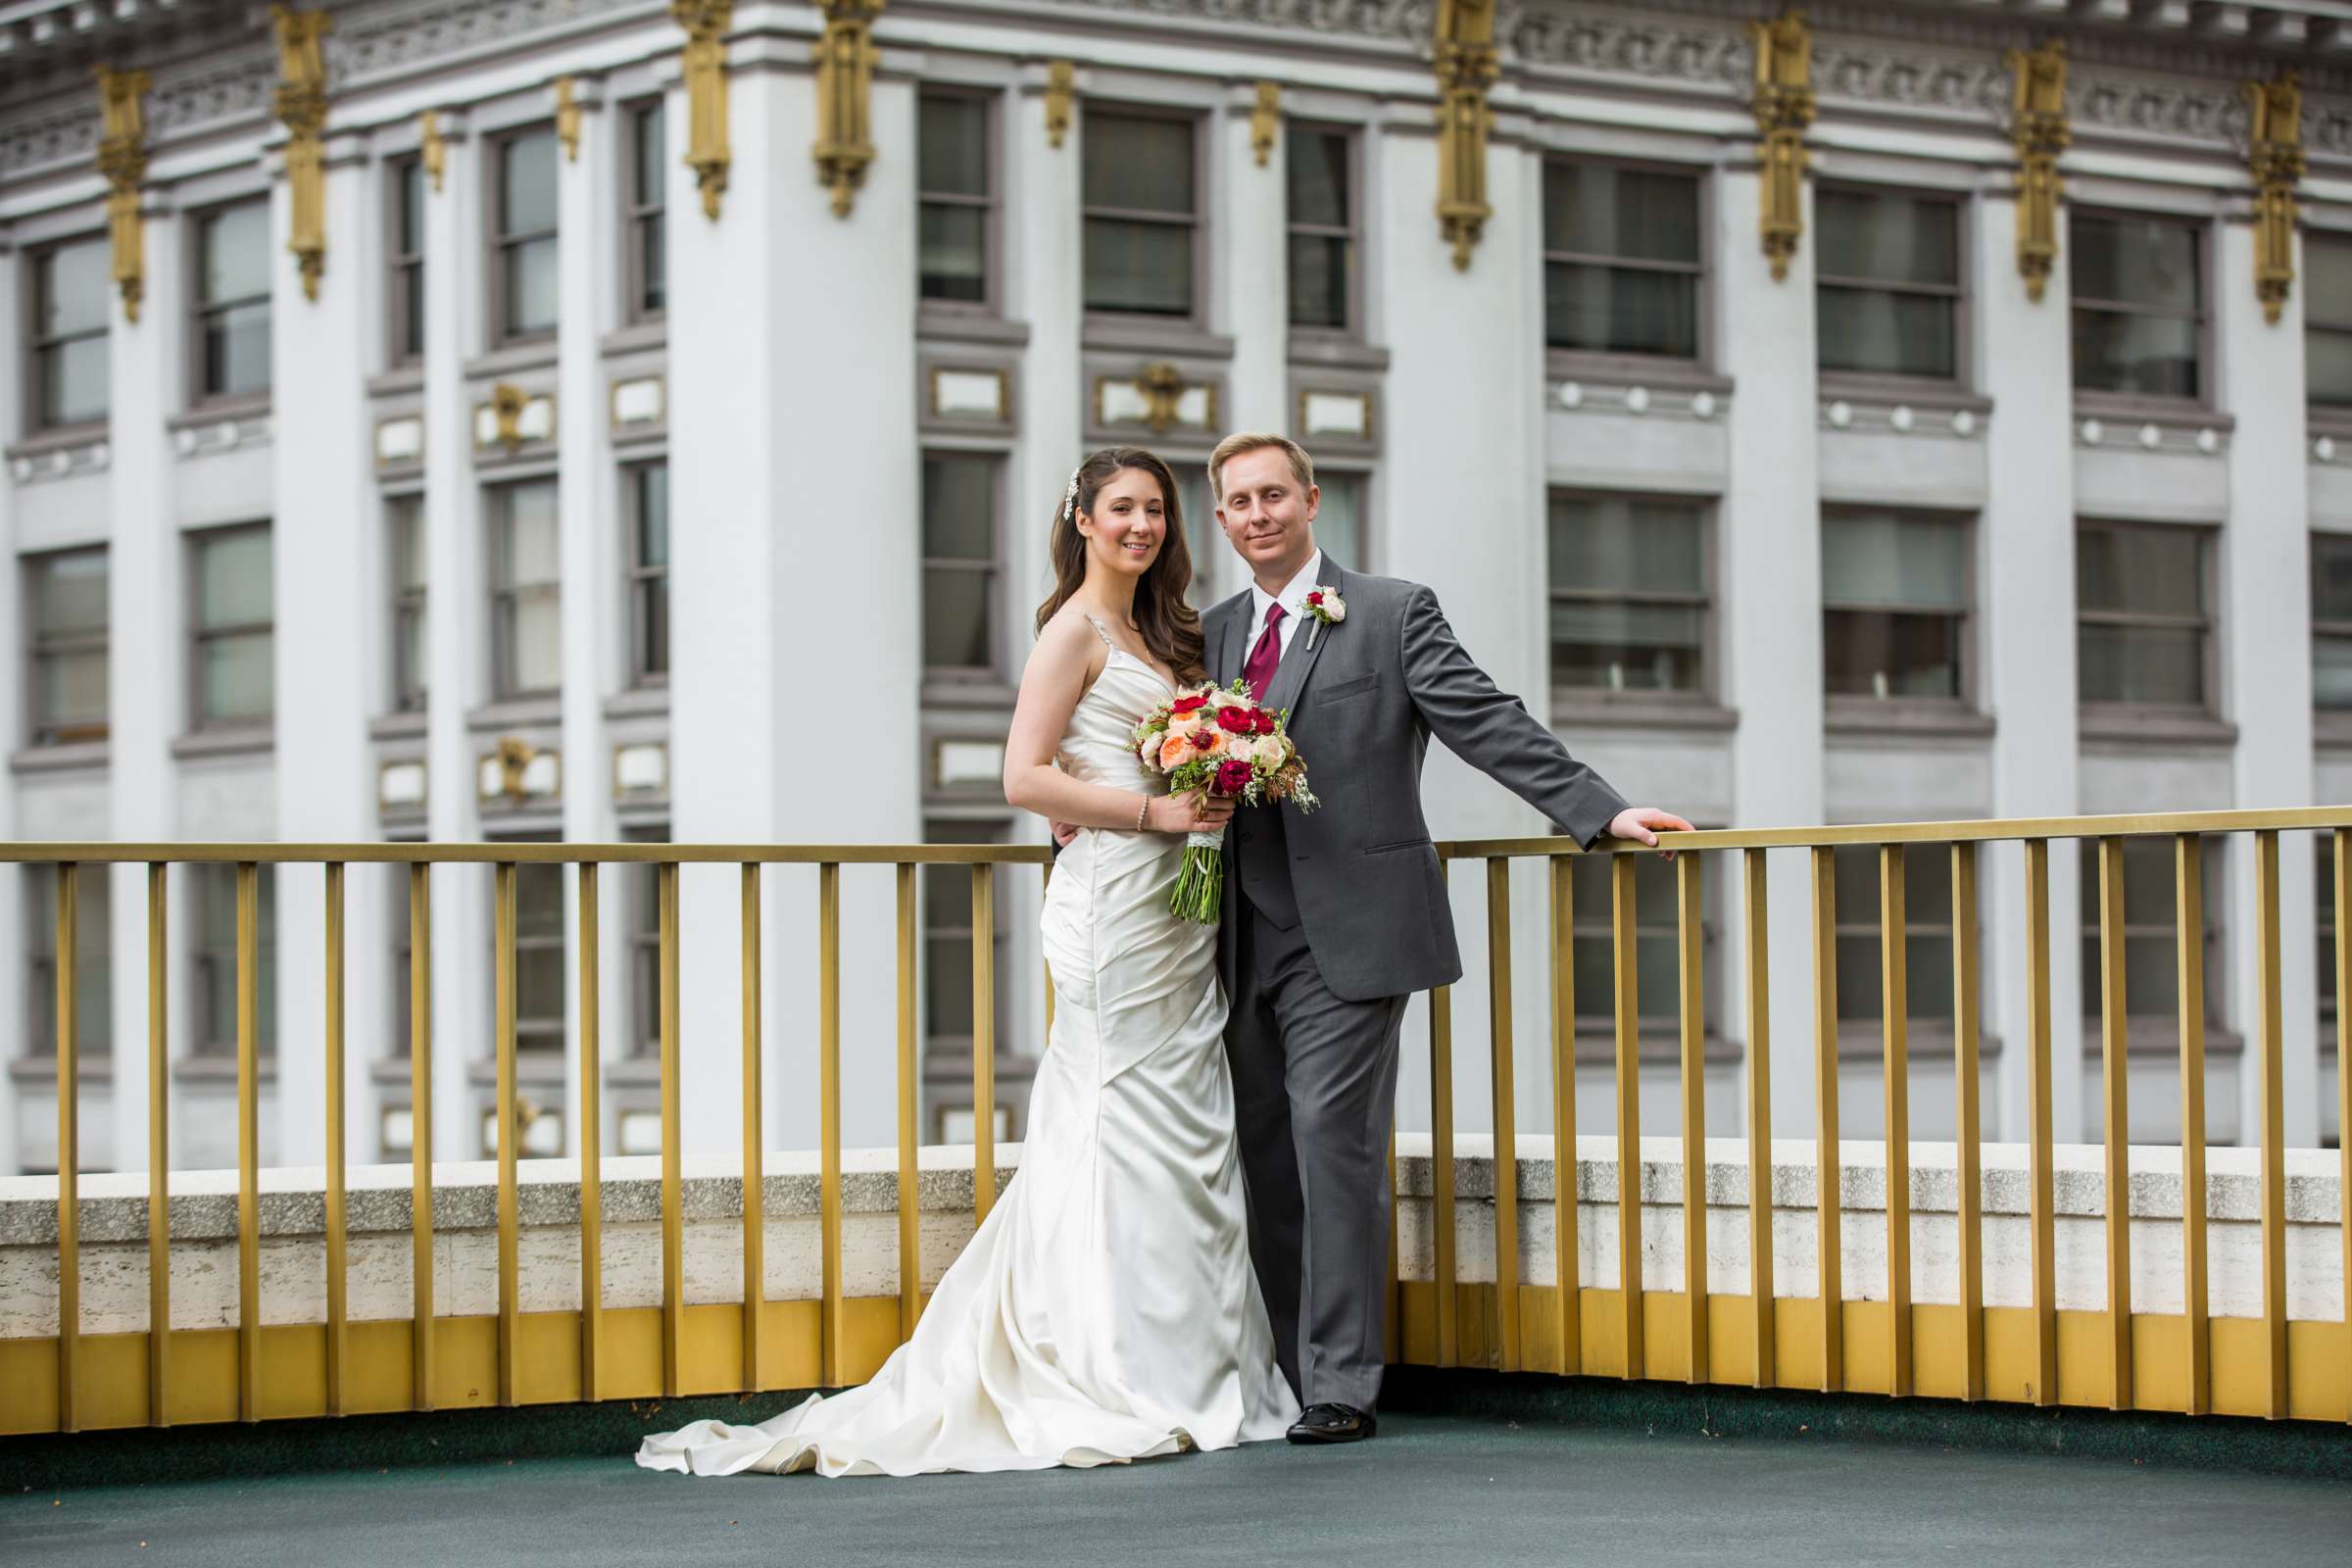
pixel 1332 1423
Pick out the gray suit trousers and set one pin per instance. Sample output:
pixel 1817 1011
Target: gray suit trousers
pixel 1315 1095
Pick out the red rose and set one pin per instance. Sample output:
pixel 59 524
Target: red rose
pixel 1264 720
pixel 1188 704
pixel 1202 740
pixel 1315 598
pixel 1236 720
pixel 1233 777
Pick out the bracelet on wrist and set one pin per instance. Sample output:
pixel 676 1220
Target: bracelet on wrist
pixel 1143 811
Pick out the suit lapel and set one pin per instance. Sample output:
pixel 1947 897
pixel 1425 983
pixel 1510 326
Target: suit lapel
pixel 1226 662
pixel 1306 646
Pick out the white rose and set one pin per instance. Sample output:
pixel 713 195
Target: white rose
pixel 1267 752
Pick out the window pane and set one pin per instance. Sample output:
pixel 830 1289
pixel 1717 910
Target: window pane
pixel 2150 958
pixel 535 628
pixel 1887 238
pixel 2332 672
pixel 70 289
pixel 951 148
pixel 651 135
pixel 2326 279
pixel 412 208
pixel 232 578
pixel 1888 334
pixel 955 253
pixel 2156 569
pixel 2142 664
pixel 2327 365
pixel 69 593
pixel 653 514
pixel 653 266
pixel 1317 169
pixel 1656 961
pixel 1619 544
pixel 235 676
pixel 2155 356
pixel 1319 281
pixel 408 542
pixel 529 541
pixel 236 350
pixel 1339 523
pixel 412 310
pixel 72 694
pixel 956 620
pixel 959 507
pixel 1139 164
pixel 93 999
pixel 1620 646
pixel 1139 267
pixel 527 183
pixel 2148 263
pixel 409 645
pixel 1881 654
pixel 74 382
pixel 531 288
pixel 235 260
pixel 1596 209
pixel 1609 310
pixel 1895 563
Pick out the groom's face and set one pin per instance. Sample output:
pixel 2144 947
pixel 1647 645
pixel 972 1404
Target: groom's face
pixel 1267 516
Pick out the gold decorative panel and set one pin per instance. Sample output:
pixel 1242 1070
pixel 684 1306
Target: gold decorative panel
pixel 301 106
pixel 122 160
pixel 1466 67
pixel 845 82
pixel 2037 127
pixel 1784 105
pixel 2274 152
pixel 704 65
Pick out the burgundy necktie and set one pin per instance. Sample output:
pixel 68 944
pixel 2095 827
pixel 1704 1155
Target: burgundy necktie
pixel 1266 656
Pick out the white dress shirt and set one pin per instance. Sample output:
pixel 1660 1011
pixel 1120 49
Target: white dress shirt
pixel 1293 600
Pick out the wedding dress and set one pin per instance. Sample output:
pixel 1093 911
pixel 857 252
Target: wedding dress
pixel 1106 1309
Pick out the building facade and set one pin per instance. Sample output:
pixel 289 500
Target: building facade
pixel 614 421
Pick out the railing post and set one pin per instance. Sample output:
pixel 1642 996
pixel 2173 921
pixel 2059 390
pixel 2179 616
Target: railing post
pixel 2270 1040
pixel 1567 1244
pixel 2043 1200
pixel 337 1260
pixel 2116 1120
pixel 1690 953
pixel 1505 1114
pixel 2188 936
pixel 1757 924
pixel 828 1102
pixel 1440 1168
pixel 159 1155
pixel 69 1154
pixel 1626 956
pixel 2340 846
pixel 755 1162
pixel 674 1187
pixel 1894 1003
pixel 1967 1093
pixel 911 1227
pixel 510 1228
pixel 1828 1161
pixel 592 1141
pixel 421 1134
pixel 984 1039
pixel 249 1132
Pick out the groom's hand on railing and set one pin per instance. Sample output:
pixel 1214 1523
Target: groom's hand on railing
pixel 1643 823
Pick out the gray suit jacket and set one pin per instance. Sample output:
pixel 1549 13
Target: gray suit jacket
pixel 1364 700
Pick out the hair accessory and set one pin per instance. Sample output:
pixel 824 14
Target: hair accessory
pixel 1070 496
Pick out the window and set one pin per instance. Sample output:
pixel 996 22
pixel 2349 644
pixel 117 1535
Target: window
pixel 959 563
pixel 527 616
pixel 642 896
pixel 1657 951
pixel 2151 962
pixel 396 888
pixel 1629 595
pixel 1142 211
pixel 1320 164
pixel 68 615
pixel 2331 622
pixel 1894 605
pixel 1926 932
pixel 1888 276
pixel 1339 518
pixel 1621 260
pixel 2142 621
pixel 956 208
pixel 526 236
pixel 408 261
pixel 2327 315
pixel 405 515
pixel 947 944
pixel 234 681
pixel 232 301
pixel 648 573
pixel 1203 539
pixel 649 171
pixel 2139 304
pixel 215 889
pixel 68 333
pixel 93 945
pixel 539 956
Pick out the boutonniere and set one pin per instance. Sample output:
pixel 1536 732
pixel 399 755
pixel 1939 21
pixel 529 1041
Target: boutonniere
pixel 1327 610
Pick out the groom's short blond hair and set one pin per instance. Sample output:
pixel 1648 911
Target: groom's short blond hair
pixel 1303 467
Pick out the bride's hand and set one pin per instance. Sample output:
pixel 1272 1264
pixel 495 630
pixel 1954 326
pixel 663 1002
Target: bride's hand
pixel 1191 812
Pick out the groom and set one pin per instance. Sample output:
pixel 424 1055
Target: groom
pixel 1332 920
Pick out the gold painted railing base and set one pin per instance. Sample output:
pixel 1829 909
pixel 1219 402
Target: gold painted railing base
pixel 202 1366
pixel 2318 1367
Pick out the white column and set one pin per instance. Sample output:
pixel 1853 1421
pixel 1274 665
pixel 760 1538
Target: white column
pixel 2265 605
pixel 586 484
pixel 793 576
pixel 146 674
pixel 1252 299
pixel 327 547
pixel 456 664
pixel 1768 543
pixel 12 881
pixel 2026 551
pixel 1044 286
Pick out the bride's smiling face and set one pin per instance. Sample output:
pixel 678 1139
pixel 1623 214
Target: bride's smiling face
pixel 1128 525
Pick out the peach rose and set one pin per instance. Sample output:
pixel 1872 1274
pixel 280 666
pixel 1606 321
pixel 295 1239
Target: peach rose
pixel 1173 750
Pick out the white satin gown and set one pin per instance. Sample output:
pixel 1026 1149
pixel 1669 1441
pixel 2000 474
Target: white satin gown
pixel 1106 1309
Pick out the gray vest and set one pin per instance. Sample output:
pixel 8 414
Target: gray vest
pixel 1262 854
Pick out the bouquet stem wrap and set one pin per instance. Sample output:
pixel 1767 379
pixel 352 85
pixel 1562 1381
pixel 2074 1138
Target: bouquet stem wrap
pixel 1201 885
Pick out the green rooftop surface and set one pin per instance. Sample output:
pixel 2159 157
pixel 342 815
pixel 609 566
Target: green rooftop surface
pixel 1433 1489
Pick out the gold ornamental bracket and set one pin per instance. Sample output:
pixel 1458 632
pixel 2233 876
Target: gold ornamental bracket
pixel 1783 107
pixel 705 65
pixel 1162 387
pixel 432 148
pixel 567 118
pixel 301 106
pixel 844 88
pixel 1061 101
pixel 1265 121
pixel 1466 64
pixel 122 160
pixel 2274 154
pixel 2038 127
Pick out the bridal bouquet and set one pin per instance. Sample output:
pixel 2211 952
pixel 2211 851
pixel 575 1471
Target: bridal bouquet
pixel 1220 742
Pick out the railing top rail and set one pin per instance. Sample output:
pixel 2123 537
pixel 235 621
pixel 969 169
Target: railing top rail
pixel 1976 831
pixel 477 854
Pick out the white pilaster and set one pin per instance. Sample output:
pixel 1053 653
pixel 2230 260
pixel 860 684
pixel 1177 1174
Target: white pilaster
pixel 793 576
pixel 1768 544
pixel 13 971
pixel 1251 298
pixel 2265 605
pixel 2027 546
pixel 456 670
pixel 1043 281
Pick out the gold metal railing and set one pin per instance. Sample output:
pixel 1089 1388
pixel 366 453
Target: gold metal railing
pixel 2036 1354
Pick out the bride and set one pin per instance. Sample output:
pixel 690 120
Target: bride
pixel 1106 1309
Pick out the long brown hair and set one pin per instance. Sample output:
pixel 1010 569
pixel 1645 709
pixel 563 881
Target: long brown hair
pixel 1169 626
